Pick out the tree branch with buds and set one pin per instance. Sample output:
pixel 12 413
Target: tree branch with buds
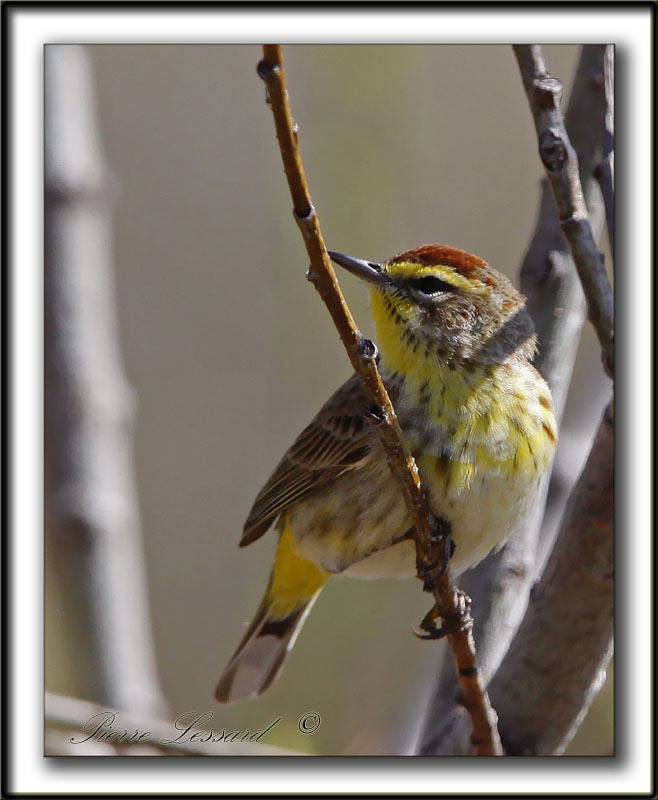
pixel 432 541
pixel 561 165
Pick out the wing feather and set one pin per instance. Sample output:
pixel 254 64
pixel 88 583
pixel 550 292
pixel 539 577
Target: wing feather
pixel 337 440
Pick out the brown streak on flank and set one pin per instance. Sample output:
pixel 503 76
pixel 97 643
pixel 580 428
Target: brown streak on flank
pixel 544 401
pixel 548 432
pixel 439 255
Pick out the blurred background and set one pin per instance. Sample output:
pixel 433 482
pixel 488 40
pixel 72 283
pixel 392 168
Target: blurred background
pixel 230 352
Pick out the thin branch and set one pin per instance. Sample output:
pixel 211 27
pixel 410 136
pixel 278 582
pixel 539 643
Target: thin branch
pixel 430 544
pixel 500 585
pixel 554 666
pixel 561 165
pixel 605 171
pixel 93 531
pixel 548 277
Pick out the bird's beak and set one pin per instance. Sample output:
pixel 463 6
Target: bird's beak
pixel 362 269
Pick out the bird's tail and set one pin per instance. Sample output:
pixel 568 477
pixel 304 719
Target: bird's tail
pixel 292 589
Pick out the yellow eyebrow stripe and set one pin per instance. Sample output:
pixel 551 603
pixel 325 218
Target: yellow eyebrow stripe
pixel 408 269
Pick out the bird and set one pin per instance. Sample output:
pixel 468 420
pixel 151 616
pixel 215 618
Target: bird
pixel 455 351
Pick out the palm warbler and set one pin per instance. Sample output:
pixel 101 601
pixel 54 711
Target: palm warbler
pixel 456 345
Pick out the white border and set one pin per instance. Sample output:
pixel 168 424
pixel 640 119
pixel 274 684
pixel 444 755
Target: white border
pixel 630 30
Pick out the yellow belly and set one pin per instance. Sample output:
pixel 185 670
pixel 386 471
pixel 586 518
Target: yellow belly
pixel 480 463
pixel 354 527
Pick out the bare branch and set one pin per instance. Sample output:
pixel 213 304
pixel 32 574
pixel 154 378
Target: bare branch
pixel 450 603
pixel 549 279
pixel 500 585
pixel 94 537
pixel 605 171
pixel 553 668
pixel 561 165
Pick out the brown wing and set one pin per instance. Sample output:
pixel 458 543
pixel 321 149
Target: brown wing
pixel 337 440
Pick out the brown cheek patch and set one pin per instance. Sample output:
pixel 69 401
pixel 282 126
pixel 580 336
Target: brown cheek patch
pixel 439 255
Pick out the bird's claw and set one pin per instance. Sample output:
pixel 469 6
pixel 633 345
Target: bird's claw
pixel 458 622
pixel 431 573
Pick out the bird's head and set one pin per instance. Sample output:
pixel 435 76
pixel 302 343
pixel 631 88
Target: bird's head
pixel 446 302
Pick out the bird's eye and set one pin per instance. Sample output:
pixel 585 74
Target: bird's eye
pixel 430 285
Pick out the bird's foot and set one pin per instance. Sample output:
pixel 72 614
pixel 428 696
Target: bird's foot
pixel 457 622
pixel 431 573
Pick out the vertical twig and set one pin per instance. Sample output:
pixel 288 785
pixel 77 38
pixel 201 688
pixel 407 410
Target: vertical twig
pixel 94 535
pixel 605 171
pixel 430 547
pixel 548 275
pixel 561 165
